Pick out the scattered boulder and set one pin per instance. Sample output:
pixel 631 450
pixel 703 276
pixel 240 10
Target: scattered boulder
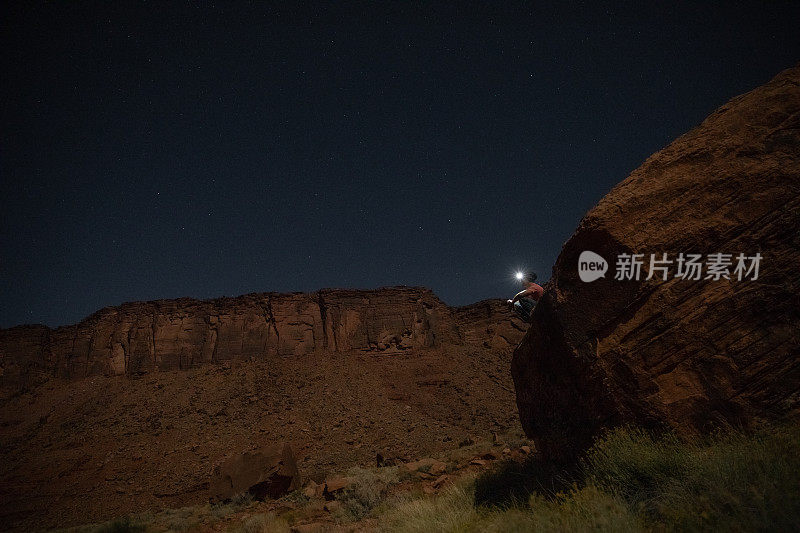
pixel 385 459
pixel 441 480
pixel 312 490
pixel 468 441
pixel 687 354
pixel 335 485
pixel 266 473
pixel 437 468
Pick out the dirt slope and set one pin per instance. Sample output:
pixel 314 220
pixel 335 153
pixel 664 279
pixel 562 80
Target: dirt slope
pixel 84 450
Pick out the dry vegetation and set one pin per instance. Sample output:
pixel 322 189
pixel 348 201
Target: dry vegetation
pixel 631 480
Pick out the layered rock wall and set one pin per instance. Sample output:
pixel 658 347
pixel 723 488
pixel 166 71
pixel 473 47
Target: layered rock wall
pixel 686 354
pixel 174 334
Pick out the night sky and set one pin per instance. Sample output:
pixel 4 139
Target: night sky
pixel 160 150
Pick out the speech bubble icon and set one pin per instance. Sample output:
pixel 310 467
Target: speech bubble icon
pixel 591 266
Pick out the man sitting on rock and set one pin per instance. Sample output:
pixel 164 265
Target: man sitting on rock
pixel 525 300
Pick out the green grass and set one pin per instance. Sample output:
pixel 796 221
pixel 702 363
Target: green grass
pixel 264 523
pixel 631 481
pixel 121 525
pixel 133 523
pixel 366 492
pixel 732 481
pixel 450 511
pixel 511 482
pixel 235 504
pixel 453 511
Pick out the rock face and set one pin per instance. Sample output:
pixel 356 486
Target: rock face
pixel 489 324
pixel 678 353
pixel 265 473
pixel 176 334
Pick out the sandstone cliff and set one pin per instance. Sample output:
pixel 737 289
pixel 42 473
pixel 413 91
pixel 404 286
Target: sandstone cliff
pixel 338 375
pixel 177 334
pixel 685 354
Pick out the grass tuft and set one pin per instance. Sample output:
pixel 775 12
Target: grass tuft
pixel 511 482
pixel 126 524
pixel 731 481
pixel 366 492
pixel 631 480
pixel 450 511
pixel 264 523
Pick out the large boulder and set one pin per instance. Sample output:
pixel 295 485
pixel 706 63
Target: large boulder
pixel 266 473
pixel 685 354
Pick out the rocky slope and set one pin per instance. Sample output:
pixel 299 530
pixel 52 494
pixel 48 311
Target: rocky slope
pixel 178 334
pixel 338 375
pixel 687 354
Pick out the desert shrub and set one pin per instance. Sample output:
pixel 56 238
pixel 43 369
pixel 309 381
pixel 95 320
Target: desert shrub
pixel 243 499
pixel 295 497
pixel 126 524
pixel 237 503
pixel 364 493
pixel 264 523
pixel 633 480
pixel 179 519
pixel 449 511
pixel 730 481
pixel 634 464
pixel 578 510
pixel 584 509
pixel 630 481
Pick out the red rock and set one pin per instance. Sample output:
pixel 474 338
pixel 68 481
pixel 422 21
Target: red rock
pixel 177 334
pixel 312 490
pixel 437 468
pixel 334 485
pixel 678 353
pixel 268 472
pixel 427 463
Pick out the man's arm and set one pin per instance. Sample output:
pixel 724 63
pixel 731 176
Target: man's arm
pixel 522 294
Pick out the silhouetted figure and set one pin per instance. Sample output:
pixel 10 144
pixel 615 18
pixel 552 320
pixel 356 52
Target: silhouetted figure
pixel 525 300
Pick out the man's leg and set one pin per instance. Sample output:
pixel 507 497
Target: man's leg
pixel 521 311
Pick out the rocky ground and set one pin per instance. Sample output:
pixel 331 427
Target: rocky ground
pixel 92 449
pixel 354 500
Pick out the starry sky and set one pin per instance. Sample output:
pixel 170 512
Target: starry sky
pixel 168 149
